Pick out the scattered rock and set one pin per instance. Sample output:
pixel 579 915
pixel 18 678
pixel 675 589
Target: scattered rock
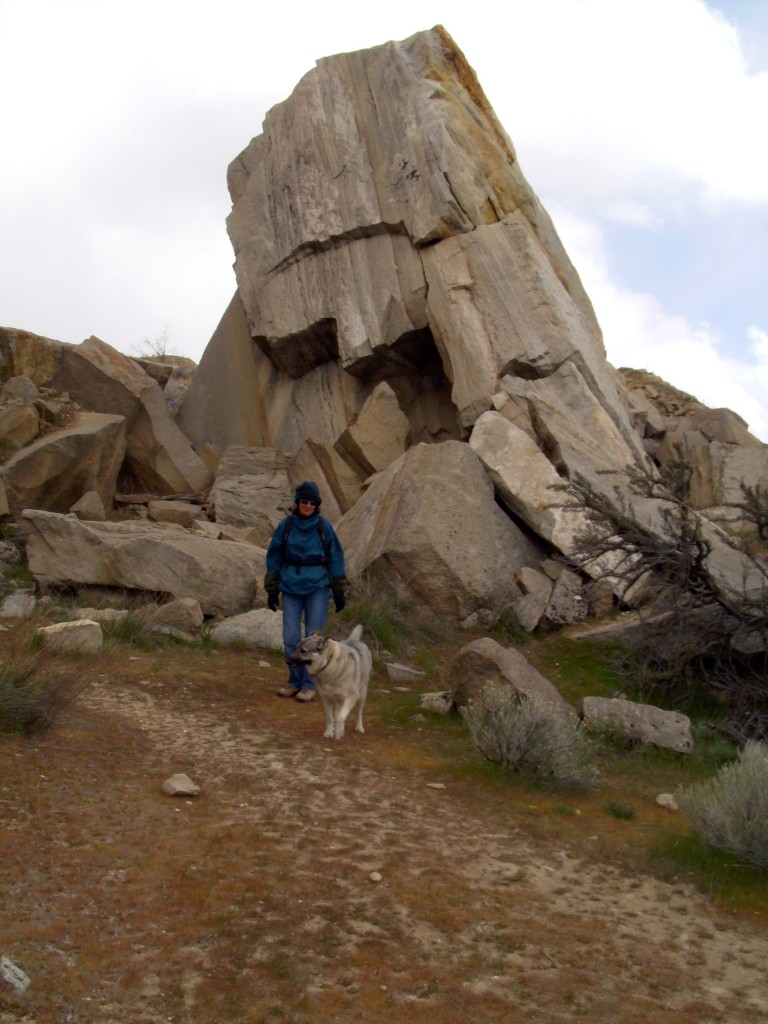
pixel 18 606
pixel 12 975
pixel 403 673
pixel 82 635
pixel 180 785
pixel 667 800
pixel 440 703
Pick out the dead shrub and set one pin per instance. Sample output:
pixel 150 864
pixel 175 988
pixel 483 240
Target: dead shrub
pixel 531 736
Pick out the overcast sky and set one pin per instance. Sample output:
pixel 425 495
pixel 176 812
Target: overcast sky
pixel 641 125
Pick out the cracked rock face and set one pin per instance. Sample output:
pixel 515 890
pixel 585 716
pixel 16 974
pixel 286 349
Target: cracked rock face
pixel 383 212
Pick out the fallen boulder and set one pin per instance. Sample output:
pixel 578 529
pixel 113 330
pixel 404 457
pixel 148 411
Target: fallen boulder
pixel 640 723
pixel 139 555
pixel 431 533
pixel 485 662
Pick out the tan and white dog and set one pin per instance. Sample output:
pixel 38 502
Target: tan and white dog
pixel 341 670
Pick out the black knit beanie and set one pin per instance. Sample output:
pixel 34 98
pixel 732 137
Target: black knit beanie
pixel 309 491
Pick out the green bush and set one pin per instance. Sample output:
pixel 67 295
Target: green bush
pixel 618 809
pixel 531 736
pixel 730 810
pixel 34 692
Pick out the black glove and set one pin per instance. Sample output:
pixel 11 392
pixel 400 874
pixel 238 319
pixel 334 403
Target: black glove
pixel 271 583
pixel 338 587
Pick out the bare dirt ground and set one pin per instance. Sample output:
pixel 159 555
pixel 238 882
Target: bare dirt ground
pixel 254 901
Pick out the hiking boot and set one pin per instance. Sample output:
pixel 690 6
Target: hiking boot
pixel 305 696
pixel 287 691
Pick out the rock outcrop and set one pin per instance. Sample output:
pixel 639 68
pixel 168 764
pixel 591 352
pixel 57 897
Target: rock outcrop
pixel 220 575
pixel 409 332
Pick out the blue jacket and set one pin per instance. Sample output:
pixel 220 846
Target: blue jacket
pixel 305 545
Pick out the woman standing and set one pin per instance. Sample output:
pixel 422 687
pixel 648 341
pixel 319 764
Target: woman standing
pixel 305 563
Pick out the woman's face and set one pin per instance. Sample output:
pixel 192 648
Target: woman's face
pixel 306 507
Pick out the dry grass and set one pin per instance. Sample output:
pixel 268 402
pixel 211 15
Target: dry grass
pixel 253 902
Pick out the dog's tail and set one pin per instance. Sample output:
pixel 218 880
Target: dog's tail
pixel 356 633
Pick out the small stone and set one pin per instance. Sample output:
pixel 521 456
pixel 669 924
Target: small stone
pixel 375 876
pixel 403 673
pixel 13 975
pixel 180 785
pixel 667 800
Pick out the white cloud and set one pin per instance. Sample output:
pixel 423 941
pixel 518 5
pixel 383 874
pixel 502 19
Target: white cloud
pixel 640 333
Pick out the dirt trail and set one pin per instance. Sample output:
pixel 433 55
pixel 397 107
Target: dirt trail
pixel 254 901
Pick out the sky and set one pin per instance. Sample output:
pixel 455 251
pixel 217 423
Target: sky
pixel 640 124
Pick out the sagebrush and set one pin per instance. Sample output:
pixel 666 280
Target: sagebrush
pixel 730 810
pixel 533 736
pixel 34 691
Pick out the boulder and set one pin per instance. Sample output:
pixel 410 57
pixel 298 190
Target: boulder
pixel 90 507
pixel 9 555
pixel 57 469
pixel 640 723
pixel 80 635
pixel 19 424
pixel 160 457
pixel 257 628
pixel 527 482
pixel 339 484
pixel 536 588
pixel 721 425
pixel 485 662
pixel 18 606
pixel 21 389
pixel 23 354
pixel 431 533
pixel 252 489
pixel 574 429
pixel 182 513
pixel 720 471
pixel 139 555
pixel 184 617
pixel 100 615
pixel 378 436
pixel 566 603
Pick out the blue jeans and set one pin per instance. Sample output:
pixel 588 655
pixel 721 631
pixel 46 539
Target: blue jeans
pixel 314 608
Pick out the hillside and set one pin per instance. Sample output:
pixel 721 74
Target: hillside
pixel 255 900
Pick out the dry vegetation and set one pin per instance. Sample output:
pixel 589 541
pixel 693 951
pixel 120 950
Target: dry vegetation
pixel 498 900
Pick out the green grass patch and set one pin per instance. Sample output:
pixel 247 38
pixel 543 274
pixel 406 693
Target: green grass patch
pixel 717 873
pixel 578 668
